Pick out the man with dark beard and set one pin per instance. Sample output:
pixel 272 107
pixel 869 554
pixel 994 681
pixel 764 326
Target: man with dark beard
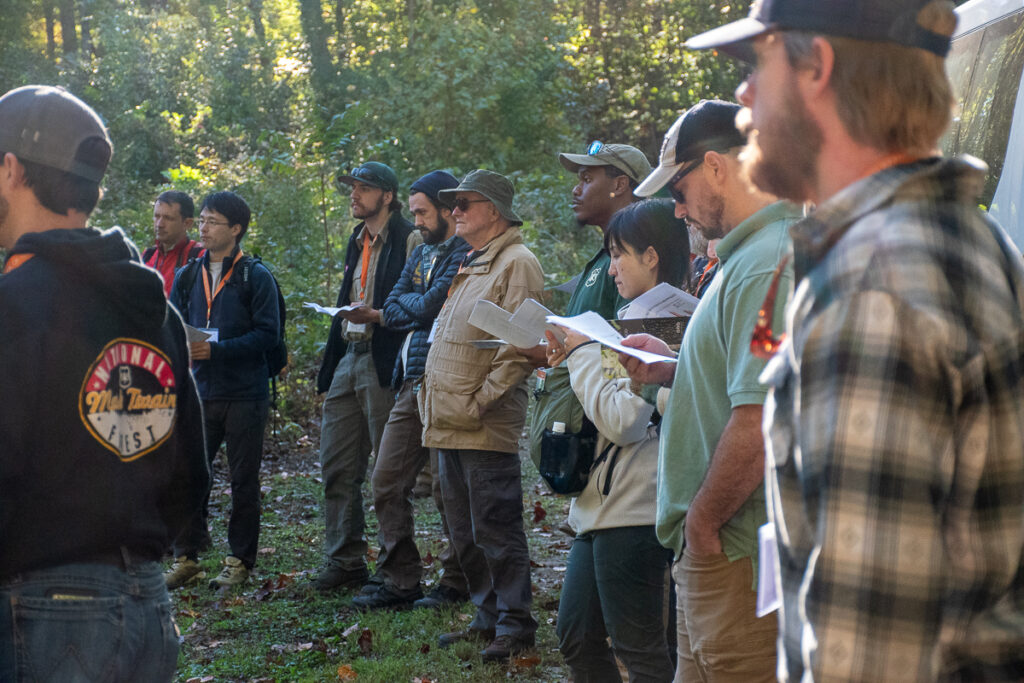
pixel 896 413
pixel 358 362
pixel 411 308
pixel 711 460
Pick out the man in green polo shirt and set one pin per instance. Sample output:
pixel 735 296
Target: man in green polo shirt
pixel 711 464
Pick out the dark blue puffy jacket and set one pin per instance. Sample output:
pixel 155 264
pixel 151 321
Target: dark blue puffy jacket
pixel 417 298
pixel 247 324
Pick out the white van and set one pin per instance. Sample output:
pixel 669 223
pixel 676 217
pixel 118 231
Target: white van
pixel 985 65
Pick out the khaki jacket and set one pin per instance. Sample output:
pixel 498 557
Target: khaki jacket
pixel 476 398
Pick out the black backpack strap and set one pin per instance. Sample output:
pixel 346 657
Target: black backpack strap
pixel 187 280
pixel 148 254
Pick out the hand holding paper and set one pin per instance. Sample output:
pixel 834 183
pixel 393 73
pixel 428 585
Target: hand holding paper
pixel 593 326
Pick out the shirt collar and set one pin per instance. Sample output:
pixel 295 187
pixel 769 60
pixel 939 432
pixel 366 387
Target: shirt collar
pixel 816 234
pixel 754 222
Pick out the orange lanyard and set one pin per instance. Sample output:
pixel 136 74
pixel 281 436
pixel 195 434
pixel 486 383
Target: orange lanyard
pixel 367 246
pixel 16 261
pixel 220 286
pixel 462 266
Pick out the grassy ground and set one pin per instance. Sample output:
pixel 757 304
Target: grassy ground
pixel 278 628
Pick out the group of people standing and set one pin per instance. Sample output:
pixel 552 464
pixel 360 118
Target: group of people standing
pixel 841 430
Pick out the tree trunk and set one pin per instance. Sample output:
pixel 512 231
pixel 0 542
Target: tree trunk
pixel 68 34
pixel 51 43
pixel 410 17
pixel 256 10
pixel 85 21
pixel 311 16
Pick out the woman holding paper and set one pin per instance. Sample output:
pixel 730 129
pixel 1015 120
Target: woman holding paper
pixel 615 580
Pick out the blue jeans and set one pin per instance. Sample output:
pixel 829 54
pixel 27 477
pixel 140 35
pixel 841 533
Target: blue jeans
pixel 87 623
pixel 615 586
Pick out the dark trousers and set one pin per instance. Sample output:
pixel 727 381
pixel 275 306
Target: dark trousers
pixel 240 425
pixel 615 586
pixel 400 458
pixel 483 500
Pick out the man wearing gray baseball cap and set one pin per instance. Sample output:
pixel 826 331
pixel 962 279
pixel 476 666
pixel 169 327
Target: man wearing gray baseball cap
pixel 101 427
pixel 896 414
pixel 473 406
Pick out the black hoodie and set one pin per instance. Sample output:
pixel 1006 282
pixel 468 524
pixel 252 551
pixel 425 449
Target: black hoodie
pixel 101 438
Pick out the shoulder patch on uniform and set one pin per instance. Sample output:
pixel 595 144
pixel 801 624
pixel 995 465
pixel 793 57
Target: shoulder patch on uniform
pixel 128 400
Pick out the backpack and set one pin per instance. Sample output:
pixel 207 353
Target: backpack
pixel 194 252
pixel 277 357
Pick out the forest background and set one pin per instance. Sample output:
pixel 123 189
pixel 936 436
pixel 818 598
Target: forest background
pixel 270 98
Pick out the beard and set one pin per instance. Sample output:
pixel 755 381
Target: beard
pixel 780 157
pixel 698 242
pixel 438 234
pixel 363 214
pixel 712 227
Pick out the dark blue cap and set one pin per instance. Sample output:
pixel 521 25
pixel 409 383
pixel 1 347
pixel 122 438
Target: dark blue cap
pixel 434 182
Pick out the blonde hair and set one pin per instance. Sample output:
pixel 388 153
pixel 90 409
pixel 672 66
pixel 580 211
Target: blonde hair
pixel 889 97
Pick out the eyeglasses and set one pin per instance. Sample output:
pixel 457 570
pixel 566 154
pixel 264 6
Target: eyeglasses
pixel 683 172
pixel 462 203
pixel 209 221
pixel 596 147
pixel 763 343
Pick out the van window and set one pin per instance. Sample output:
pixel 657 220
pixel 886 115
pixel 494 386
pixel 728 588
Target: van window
pixel 985 68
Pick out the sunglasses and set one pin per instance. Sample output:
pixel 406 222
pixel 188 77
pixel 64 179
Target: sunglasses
pixel 764 344
pixel 596 147
pixel 678 196
pixel 462 203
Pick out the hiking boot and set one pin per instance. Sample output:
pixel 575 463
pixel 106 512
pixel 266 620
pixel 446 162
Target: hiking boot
pixel 482 635
pixel 335 577
pixel 387 597
pixel 442 596
pixel 233 573
pixel 185 571
pixel 372 585
pixel 504 646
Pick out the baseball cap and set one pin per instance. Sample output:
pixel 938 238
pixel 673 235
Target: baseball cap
pixel 496 187
pixel 890 21
pixel 706 126
pixel 432 183
pixel 626 158
pixel 372 173
pixel 48 126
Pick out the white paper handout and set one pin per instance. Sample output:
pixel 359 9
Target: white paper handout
pixel 661 301
pixel 524 328
pixel 330 311
pixel 194 334
pixel 592 325
pixel 768 588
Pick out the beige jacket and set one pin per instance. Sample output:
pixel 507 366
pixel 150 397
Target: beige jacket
pixel 476 398
pixel 629 471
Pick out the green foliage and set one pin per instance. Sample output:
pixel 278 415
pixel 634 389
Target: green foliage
pixel 270 98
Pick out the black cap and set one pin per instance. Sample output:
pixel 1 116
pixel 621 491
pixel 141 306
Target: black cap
pixel 434 182
pixel 889 21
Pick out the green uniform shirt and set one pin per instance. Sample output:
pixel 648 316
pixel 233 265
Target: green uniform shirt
pixel 596 290
pixel 716 372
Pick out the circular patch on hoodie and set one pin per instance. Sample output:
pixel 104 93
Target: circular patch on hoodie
pixel 127 401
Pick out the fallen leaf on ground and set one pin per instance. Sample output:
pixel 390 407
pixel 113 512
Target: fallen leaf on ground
pixel 539 513
pixel 526 661
pixel 347 673
pixel 425 648
pixel 366 642
pixel 350 630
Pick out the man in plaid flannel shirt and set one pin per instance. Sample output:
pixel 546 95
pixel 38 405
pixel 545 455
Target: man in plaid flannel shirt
pixel 896 418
